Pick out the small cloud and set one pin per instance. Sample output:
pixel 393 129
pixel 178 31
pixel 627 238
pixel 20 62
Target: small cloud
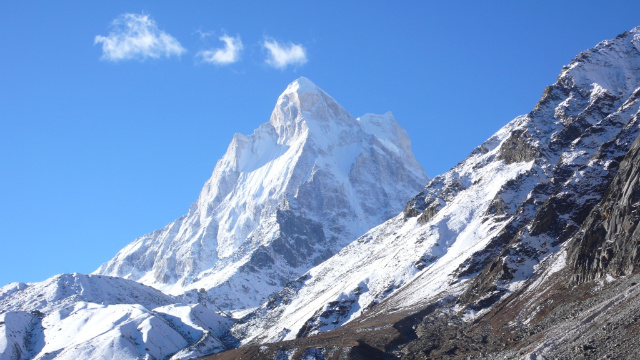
pixel 204 34
pixel 229 54
pixel 281 55
pixel 137 37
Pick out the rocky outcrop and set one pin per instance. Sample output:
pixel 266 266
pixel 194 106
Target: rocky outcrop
pixel 609 243
pixel 518 148
pixel 576 166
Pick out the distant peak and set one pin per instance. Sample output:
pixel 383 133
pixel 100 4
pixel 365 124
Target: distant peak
pixel 303 95
pixel 305 103
pixel 302 85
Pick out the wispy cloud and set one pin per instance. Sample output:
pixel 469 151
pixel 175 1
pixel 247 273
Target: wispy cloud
pixel 229 54
pixel 204 34
pixel 282 55
pixel 137 37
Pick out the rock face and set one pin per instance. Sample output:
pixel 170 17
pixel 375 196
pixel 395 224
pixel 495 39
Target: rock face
pixel 482 243
pixel 609 243
pixel 583 302
pixel 279 202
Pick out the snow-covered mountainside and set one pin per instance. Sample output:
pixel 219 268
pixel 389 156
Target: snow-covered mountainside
pixel 483 230
pixel 74 316
pixel 279 202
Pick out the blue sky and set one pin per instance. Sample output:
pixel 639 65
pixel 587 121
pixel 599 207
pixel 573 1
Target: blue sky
pixel 106 135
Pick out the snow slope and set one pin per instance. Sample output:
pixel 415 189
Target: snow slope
pixel 73 316
pixel 500 212
pixel 279 202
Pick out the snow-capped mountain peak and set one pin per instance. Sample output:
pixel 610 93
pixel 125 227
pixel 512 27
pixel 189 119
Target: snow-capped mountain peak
pixel 280 201
pixel 303 85
pixel 612 66
pixel 304 108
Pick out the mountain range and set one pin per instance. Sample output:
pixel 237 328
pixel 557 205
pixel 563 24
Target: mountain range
pixel 320 237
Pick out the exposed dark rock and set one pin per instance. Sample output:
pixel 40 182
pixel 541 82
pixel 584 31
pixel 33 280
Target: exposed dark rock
pixel 440 190
pixel 610 242
pixel 260 260
pixel 480 260
pixel 335 313
pixel 424 261
pixel 411 210
pixel 428 213
pixel 497 207
pixel 518 148
pixel 551 95
pixel 300 241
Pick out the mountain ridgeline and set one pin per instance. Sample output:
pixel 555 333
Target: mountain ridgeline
pixel 320 237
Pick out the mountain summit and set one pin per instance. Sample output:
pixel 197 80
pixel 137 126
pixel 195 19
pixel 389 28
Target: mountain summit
pixel 279 202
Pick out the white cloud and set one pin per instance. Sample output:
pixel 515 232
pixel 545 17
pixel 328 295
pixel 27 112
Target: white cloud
pixel 229 54
pixel 281 55
pixel 137 37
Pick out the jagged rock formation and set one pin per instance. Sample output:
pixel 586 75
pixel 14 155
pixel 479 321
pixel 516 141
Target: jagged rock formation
pixel 584 303
pixel 609 243
pixel 279 202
